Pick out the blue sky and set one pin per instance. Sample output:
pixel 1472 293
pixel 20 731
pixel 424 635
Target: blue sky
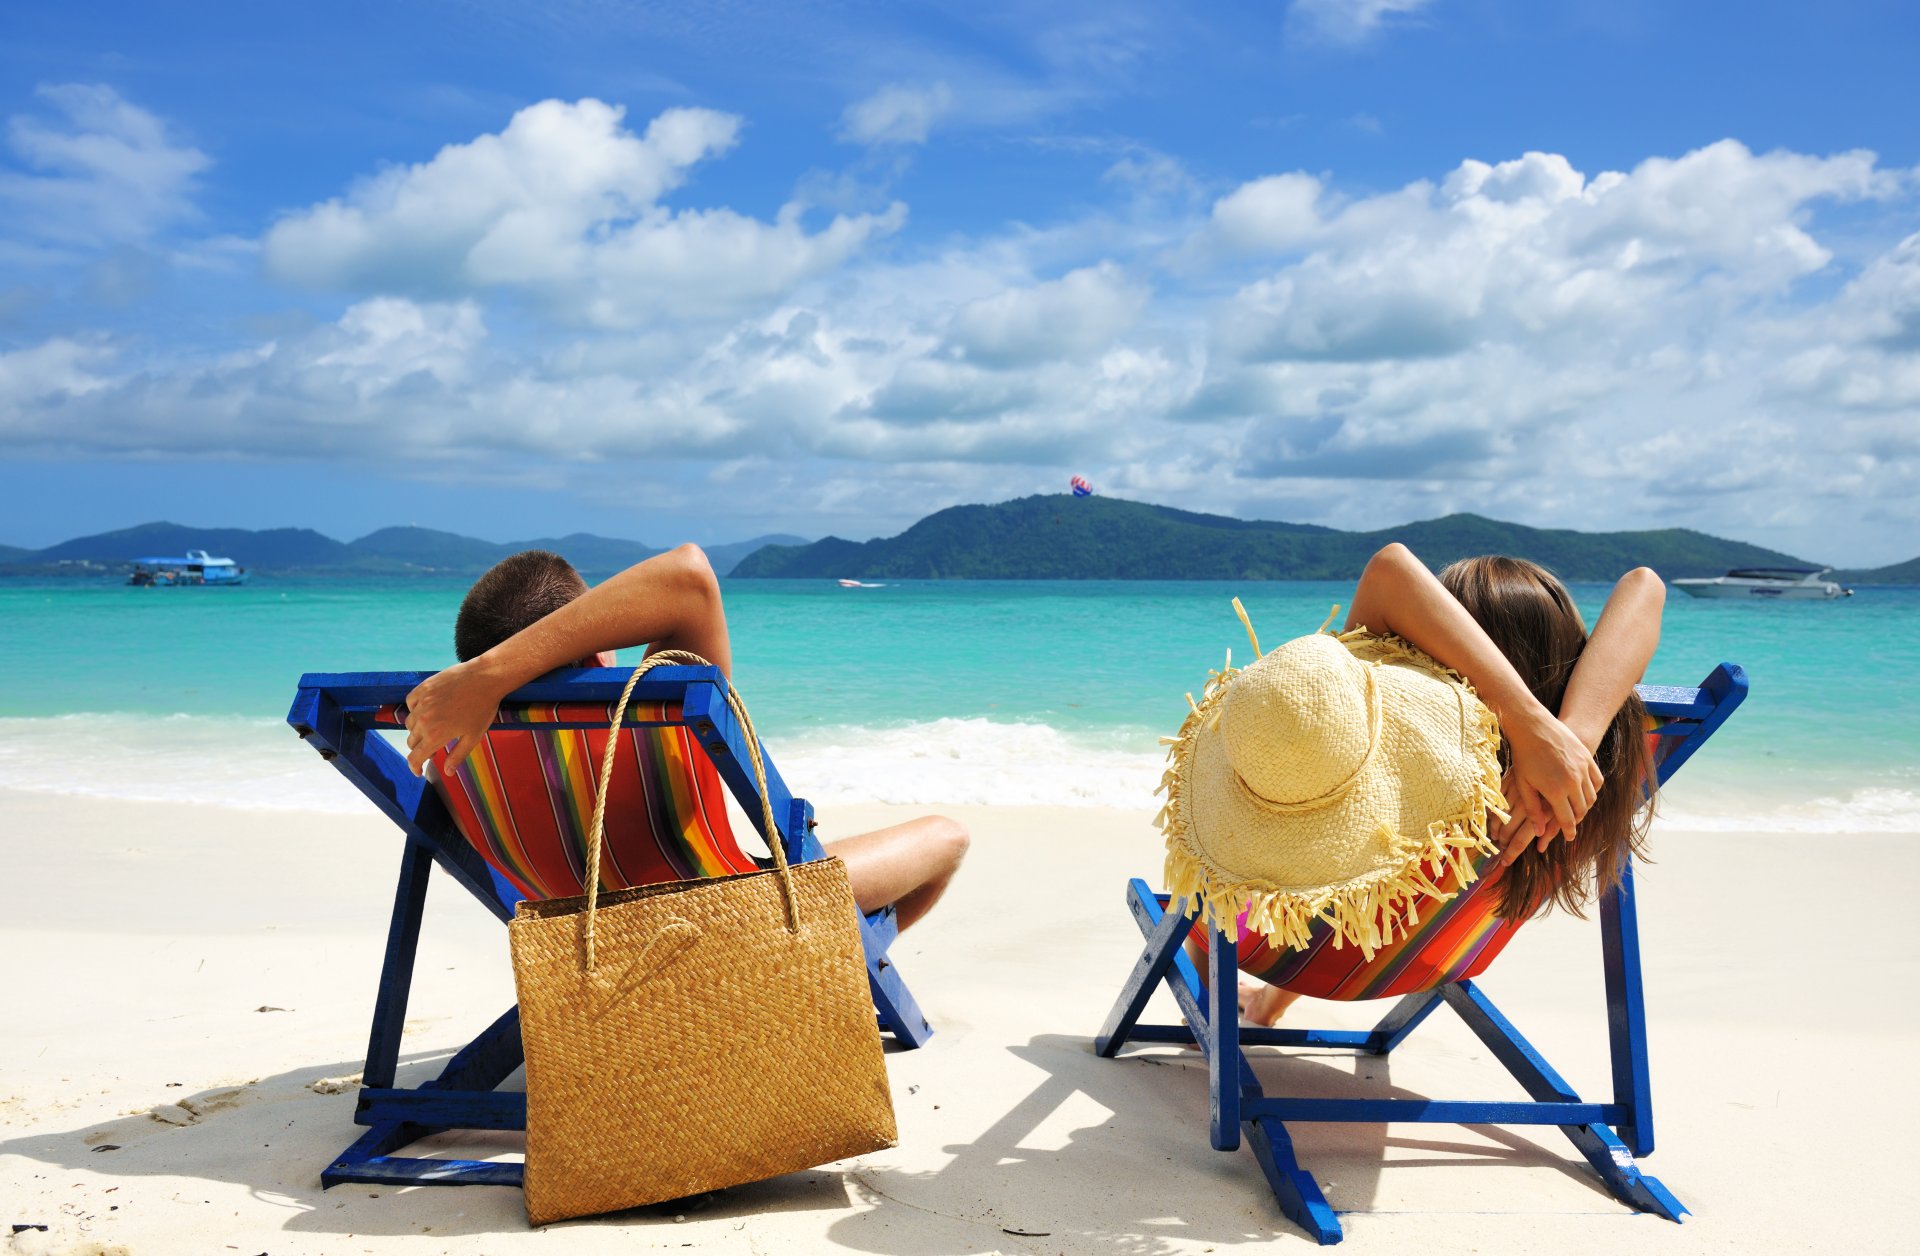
pixel 715 269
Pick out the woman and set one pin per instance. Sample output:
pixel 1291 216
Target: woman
pixel 1572 755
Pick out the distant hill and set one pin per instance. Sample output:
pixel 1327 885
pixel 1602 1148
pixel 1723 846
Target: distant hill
pixel 277 548
pixel 388 550
pixel 1899 573
pixel 726 556
pixel 427 549
pixel 1104 538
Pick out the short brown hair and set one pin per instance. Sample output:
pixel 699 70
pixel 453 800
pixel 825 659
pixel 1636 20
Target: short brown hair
pixel 516 592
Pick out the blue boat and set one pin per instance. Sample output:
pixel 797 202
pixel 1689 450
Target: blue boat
pixel 197 568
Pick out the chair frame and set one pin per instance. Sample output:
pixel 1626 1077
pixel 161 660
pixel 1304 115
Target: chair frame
pixel 334 713
pixel 1610 1135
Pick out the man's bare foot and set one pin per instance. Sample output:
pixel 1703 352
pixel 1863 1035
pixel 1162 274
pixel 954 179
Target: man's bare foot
pixel 1262 1004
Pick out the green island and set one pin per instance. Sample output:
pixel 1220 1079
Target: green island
pixel 1047 537
pixel 1060 537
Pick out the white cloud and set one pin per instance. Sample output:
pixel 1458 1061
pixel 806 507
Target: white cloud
pixel 101 171
pixel 377 344
pixel 1526 250
pixel 896 114
pixel 45 375
pixel 564 206
pixel 1074 316
pixel 1346 22
pixel 1273 214
pixel 1686 341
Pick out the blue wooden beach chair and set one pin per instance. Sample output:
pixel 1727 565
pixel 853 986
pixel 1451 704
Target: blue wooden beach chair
pixel 1610 1135
pixel 343 715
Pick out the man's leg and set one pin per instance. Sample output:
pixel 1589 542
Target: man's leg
pixel 907 865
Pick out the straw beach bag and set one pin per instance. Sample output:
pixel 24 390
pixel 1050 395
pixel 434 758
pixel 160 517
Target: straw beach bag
pixel 696 1034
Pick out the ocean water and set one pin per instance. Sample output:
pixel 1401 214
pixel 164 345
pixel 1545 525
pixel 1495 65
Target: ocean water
pixel 931 693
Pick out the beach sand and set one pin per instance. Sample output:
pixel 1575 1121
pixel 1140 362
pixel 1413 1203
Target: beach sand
pixel 223 962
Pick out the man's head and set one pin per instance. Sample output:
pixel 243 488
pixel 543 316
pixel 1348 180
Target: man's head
pixel 515 593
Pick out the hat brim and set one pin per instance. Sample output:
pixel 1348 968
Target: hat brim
pixel 1418 807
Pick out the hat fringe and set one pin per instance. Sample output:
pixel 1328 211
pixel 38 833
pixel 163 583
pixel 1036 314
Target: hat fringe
pixel 1371 911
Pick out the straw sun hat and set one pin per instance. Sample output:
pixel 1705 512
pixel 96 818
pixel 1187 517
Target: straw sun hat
pixel 1332 779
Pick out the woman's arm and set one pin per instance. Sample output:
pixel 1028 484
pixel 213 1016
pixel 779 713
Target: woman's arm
pixel 1614 660
pixel 671 600
pixel 1553 773
pixel 1616 656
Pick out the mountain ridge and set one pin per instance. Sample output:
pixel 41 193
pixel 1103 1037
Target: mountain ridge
pixel 391 550
pixel 1040 537
pixel 1056 536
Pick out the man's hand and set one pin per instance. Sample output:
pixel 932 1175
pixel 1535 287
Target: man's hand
pixel 451 708
pixel 1551 785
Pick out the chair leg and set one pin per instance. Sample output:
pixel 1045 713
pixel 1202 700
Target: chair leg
pixel 1627 1013
pixel 1403 1019
pixel 899 1012
pixel 396 970
pixel 1211 1007
pixel 389 1014
pixel 1223 1032
pixel 489 1059
pixel 1611 1158
pixel 1163 943
pixel 1298 1194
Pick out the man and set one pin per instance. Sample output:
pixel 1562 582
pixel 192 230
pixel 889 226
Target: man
pixel 533 612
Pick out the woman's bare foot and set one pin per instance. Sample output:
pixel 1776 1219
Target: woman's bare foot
pixel 1262 1004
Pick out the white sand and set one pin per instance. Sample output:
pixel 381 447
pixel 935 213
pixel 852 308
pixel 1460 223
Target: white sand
pixel 143 945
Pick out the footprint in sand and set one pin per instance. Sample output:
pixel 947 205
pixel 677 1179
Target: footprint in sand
pixel 33 1242
pixel 192 1110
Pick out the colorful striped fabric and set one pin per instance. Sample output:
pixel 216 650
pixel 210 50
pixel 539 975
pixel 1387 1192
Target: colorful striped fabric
pixel 1443 940
pixel 524 799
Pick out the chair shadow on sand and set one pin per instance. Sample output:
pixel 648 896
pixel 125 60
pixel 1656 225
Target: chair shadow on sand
pixel 1134 1184
pixel 275 1134
pixel 1145 1178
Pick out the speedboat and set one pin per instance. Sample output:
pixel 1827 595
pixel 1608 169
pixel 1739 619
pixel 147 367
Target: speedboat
pixel 1796 584
pixel 197 568
pixel 855 584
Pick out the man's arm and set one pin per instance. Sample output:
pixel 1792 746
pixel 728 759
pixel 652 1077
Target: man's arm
pixel 671 601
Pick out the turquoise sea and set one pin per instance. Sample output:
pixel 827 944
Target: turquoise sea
pixel 919 692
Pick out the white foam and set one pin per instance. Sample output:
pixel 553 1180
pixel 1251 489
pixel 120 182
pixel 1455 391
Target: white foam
pixel 956 761
pixel 259 763
pixel 1716 809
pixel 249 764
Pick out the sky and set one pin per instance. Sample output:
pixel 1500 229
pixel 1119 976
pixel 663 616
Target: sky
pixel 713 269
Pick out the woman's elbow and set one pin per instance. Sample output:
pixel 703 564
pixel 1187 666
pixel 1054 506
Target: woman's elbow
pixel 1647 581
pixel 1393 554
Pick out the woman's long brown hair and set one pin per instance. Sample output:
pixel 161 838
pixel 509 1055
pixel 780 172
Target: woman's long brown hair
pixel 1531 618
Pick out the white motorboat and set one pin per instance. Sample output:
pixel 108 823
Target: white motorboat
pixel 1796 584
pixel 197 568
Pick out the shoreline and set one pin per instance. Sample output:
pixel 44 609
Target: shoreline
pixel 255 765
pixel 187 929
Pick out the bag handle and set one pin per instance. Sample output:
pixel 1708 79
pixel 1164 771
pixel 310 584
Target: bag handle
pixel 595 832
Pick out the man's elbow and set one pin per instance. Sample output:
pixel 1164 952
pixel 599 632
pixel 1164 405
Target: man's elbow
pixel 691 562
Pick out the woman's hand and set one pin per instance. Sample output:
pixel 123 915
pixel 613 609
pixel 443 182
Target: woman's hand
pixel 1523 829
pixel 451 708
pixel 1551 785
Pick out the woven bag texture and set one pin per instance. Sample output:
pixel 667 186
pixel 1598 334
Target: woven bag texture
pixel 708 1046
